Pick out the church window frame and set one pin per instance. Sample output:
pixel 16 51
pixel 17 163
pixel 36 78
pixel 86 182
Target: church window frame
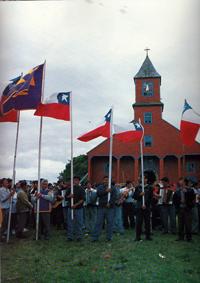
pixel 148 118
pixel 148 141
pixel 149 92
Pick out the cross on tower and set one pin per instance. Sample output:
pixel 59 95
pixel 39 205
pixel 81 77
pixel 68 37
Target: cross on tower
pixel 147 50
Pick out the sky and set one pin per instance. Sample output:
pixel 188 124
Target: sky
pixel 93 48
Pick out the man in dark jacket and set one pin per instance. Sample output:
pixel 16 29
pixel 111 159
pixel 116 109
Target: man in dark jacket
pixel 184 199
pixel 105 210
pixel 143 210
pixel 75 211
pixel 23 208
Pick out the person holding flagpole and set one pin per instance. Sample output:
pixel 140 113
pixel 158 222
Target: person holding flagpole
pixel 46 198
pixel 143 193
pixel 75 223
pixel 106 210
pixel 57 106
pixel 143 208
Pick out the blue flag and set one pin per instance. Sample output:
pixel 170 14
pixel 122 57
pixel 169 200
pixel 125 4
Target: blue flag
pixel 25 93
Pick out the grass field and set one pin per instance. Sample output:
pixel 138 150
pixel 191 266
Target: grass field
pixel 120 261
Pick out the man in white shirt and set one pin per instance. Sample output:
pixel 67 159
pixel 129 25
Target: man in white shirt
pixel 5 198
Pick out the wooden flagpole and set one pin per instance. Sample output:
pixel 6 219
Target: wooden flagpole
pixel 110 153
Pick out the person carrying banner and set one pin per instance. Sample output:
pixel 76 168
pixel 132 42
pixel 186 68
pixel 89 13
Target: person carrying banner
pixel 75 211
pixel 143 211
pixel 105 210
pixel 46 198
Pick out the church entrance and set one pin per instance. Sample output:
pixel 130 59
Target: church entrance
pixel 151 167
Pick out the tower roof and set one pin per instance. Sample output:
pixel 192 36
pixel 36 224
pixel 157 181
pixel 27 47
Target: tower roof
pixel 147 70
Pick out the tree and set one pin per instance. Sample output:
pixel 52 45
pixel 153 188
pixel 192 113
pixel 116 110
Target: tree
pixel 80 168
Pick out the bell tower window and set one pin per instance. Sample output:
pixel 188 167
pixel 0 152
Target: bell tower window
pixel 147 89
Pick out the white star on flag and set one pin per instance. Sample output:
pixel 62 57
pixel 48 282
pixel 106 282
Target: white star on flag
pixel 65 97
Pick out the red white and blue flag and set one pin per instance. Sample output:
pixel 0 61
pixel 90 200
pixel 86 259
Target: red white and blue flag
pixel 56 106
pixel 190 124
pixel 101 131
pixel 132 133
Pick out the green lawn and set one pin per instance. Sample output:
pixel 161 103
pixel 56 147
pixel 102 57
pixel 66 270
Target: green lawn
pixel 121 260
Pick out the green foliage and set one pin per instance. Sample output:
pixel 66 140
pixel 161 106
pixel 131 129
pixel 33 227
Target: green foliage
pixel 80 168
pixel 119 261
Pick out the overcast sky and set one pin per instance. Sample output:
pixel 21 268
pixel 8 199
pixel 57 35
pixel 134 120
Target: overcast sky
pixel 93 48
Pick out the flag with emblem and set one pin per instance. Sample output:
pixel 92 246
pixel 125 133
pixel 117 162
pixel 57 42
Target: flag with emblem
pixel 190 124
pixel 132 133
pixel 24 92
pixel 101 131
pixel 56 106
pixel 11 85
pixel 11 116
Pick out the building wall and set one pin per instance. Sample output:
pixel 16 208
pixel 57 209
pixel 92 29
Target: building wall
pixel 126 169
pixel 171 168
pixel 192 167
pixel 100 168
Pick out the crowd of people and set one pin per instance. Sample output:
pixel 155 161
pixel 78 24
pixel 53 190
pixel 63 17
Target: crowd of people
pixel 87 209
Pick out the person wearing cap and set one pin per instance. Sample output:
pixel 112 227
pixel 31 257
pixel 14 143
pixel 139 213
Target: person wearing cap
pixel 23 207
pixel 75 211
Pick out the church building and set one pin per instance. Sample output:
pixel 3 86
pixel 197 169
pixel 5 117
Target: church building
pixel 164 152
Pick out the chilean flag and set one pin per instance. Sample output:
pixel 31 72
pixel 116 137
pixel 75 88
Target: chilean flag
pixel 133 133
pixel 56 106
pixel 101 131
pixel 190 124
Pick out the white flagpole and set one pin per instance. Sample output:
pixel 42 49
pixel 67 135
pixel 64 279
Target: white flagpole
pixel 39 158
pixel 142 161
pixel 14 176
pixel 110 153
pixel 72 168
pixel 39 170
